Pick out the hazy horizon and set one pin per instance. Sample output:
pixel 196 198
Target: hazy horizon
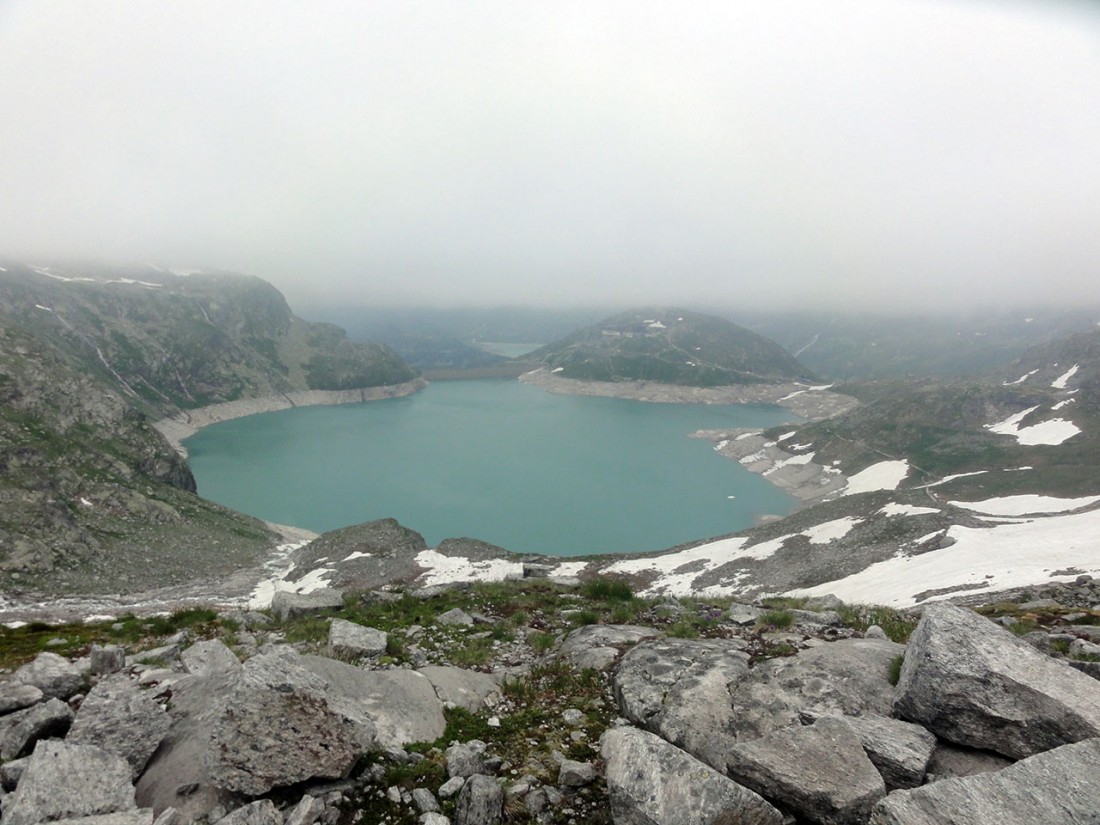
pixel 864 155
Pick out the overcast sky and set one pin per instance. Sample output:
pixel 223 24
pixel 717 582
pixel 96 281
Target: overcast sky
pixel 880 153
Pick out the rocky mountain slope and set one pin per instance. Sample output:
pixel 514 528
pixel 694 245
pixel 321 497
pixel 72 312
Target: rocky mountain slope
pixel 91 495
pixel 168 341
pixel 670 346
pixel 536 703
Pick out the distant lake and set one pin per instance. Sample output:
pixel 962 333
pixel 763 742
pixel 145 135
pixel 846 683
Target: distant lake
pixel 496 460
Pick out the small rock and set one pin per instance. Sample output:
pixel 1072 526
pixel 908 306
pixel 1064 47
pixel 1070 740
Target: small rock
pixel 209 656
pixel 466 759
pixel 260 812
pixel 121 718
pixel 286 605
pixel 424 800
pixel 54 675
pixel 20 731
pixel 17 695
pixel 354 640
pixel 874 632
pixel 455 616
pixel 576 774
pixel 432 818
pixel 452 786
pixel 573 717
pixel 107 659
pixel 744 614
pixel 481 802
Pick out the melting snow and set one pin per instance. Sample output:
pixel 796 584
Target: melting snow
pixel 895 509
pixel 828 530
pixel 1019 380
pixel 985 559
pixel 357 554
pixel 1059 383
pixel 785 436
pixel 1052 432
pixel 39 306
pixel 1024 504
pixel 558 369
pixel 446 569
pixel 946 479
pixel 794 459
pixel 1061 404
pixel 886 475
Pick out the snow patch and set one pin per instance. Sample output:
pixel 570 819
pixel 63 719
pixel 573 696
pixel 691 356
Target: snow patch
pixel 806 458
pixel 886 475
pixel 357 554
pixel 895 509
pixel 785 436
pixel 39 306
pixel 1051 433
pixel 1061 404
pixel 448 569
pixel 1023 505
pixel 1019 380
pixel 982 559
pixel 829 530
pixel 1059 383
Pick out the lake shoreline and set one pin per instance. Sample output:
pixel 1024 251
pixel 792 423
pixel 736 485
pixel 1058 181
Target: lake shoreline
pixel 186 423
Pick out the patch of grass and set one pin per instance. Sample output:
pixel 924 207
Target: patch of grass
pixel 785 602
pixel 541 642
pixel 683 630
pixel 475 652
pixel 585 617
pixel 893 673
pixel 607 588
pixel 462 726
pixel 896 626
pixel 779 619
pixel 1060 646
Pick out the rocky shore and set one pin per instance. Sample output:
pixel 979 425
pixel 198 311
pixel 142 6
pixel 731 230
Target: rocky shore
pixel 803 400
pixel 186 423
pixel 554 705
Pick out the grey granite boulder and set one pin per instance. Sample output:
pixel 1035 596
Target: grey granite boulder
pixel 680 690
pixel 286 605
pixel 66 781
pixel 849 677
pixel 120 717
pixel 18 695
pixel 260 812
pixel 468 689
pixel 278 729
pixel 1058 787
pixel 237 734
pixel 951 761
pixel 396 707
pixel 141 816
pixel 54 675
pixel 20 731
pixel 651 782
pixel 465 759
pixel 107 659
pixel 818 772
pixel 598 646
pixel 354 640
pixel 573 774
pixel 899 750
pixel 209 656
pixel 480 802
pixel 972 682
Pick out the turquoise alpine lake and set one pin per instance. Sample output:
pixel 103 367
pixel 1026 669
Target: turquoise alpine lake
pixel 495 460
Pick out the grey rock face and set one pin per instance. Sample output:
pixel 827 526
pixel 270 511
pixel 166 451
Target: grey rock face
pixel 396 706
pixel 424 800
pixel 261 812
pixel 121 718
pixel 17 695
pixel 107 659
pixel 463 688
pixel 950 761
pixel 286 605
pixel 899 750
pixel 11 771
pixel 481 802
pixel 819 772
pixel 1057 787
pixel 848 678
pixel 20 731
pixel 143 816
pixel 353 640
pixel 974 683
pixel 466 759
pixel 598 646
pixel 54 675
pixel 651 782
pixel 744 614
pixel 69 781
pixel 680 689
pixel 573 774
pixel 209 656
pixel 278 728
pixel 456 616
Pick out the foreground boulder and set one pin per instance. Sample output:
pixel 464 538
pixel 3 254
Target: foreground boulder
pixel 820 772
pixel 849 677
pixel 1058 787
pixel 65 781
pixel 598 646
pixel 20 731
pixel 974 683
pixel 54 675
pixel 899 750
pixel 243 733
pixel 680 690
pixel 651 782
pixel 121 718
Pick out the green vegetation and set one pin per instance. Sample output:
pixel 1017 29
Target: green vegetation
pixel 779 619
pixel 895 625
pixel 894 673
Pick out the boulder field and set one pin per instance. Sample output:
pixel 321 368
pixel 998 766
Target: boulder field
pixel 815 723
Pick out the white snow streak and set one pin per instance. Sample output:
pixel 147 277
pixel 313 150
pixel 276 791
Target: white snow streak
pixel 829 530
pixel 886 475
pixel 1059 383
pixel 1019 380
pixel 1051 432
pixel 447 569
pixel 895 509
pixel 1023 505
